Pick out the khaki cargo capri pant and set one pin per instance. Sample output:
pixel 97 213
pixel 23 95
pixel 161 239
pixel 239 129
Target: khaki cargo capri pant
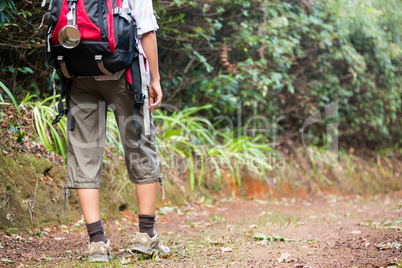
pixel 88 100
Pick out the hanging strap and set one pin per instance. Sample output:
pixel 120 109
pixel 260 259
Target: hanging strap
pixel 66 193
pixel 47 14
pixel 44 3
pixel 144 90
pixel 65 85
pixel 161 178
pixel 54 92
pixel 99 62
pixel 60 60
pixel 137 79
pixel 138 127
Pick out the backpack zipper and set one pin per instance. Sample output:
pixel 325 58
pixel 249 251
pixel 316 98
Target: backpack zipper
pixel 100 3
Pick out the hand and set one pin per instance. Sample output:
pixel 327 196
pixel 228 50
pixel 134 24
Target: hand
pixel 155 95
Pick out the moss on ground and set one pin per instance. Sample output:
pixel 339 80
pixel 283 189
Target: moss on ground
pixel 31 192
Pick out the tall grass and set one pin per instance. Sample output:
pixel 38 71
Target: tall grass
pixel 182 137
pixel 10 95
pixel 186 136
pixel 53 137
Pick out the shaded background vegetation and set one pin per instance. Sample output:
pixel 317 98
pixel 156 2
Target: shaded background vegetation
pixel 275 58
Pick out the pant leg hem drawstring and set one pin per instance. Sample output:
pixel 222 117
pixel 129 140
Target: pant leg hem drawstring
pixel 66 193
pixel 161 178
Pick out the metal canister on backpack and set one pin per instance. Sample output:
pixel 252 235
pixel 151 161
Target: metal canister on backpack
pixel 69 36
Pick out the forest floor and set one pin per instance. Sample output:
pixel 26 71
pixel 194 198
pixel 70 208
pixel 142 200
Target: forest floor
pixel 319 231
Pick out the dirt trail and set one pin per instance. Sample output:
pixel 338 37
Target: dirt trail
pixel 325 231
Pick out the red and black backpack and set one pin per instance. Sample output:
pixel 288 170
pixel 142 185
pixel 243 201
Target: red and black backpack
pixel 107 45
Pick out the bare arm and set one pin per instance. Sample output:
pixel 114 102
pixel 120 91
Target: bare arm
pixel 149 44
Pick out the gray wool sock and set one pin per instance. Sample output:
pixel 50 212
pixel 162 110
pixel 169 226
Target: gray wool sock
pixel 96 232
pixel 146 224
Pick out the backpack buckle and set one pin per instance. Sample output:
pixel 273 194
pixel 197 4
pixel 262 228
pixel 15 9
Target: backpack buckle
pixel 139 98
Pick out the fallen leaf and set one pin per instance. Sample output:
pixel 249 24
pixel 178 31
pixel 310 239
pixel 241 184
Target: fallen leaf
pixel 79 223
pixel 383 245
pixel 263 242
pixel 125 261
pixel 16 237
pixel 227 249
pixel 214 242
pixel 260 201
pixel 284 257
pixel 299 265
pixel 64 228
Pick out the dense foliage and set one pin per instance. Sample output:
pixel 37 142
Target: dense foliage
pixel 273 58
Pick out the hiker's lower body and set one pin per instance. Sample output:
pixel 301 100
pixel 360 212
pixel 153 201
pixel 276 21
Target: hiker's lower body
pixel 88 101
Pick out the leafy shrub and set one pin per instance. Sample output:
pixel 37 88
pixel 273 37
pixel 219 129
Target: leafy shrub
pixel 288 58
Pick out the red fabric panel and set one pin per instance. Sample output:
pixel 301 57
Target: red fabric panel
pixel 60 23
pixel 119 3
pixel 112 42
pixel 91 32
pixel 110 6
pixel 128 76
pixel 109 17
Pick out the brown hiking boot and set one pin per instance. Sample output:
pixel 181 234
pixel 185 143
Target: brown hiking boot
pixel 143 243
pixel 99 251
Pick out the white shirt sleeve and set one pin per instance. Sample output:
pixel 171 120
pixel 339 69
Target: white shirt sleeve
pixel 143 13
